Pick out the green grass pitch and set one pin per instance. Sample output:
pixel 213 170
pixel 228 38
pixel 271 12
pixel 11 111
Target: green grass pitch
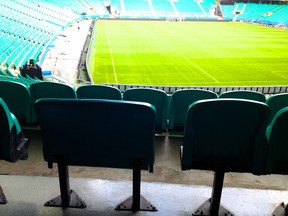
pixel 188 54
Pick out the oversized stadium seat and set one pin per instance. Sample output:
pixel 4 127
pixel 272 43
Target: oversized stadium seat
pixel 277 102
pixel 98 92
pixel 224 135
pixel 242 94
pixel 105 133
pixel 277 155
pixel 49 90
pixel 156 97
pixel 13 144
pixel 18 99
pixel 180 102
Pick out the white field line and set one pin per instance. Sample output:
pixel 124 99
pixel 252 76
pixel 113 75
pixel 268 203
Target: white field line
pixel 200 69
pixel 277 73
pixel 111 54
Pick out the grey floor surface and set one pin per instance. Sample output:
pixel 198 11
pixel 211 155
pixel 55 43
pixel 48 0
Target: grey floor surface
pixel 29 184
pixel 27 194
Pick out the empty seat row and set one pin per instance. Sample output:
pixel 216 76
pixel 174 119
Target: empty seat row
pixel 171 109
pixel 222 135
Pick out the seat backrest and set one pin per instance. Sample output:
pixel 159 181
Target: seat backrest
pixel 49 90
pixel 180 102
pixel 9 135
pixel 17 97
pixel 277 137
pixel 98 92
pixel 104 133
pixel 277 102
pixel 156 97
pixel 225 134
pixel 244 94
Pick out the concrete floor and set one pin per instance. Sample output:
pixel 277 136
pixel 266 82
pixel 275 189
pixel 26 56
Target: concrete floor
pixel 29 184
pixel 27 194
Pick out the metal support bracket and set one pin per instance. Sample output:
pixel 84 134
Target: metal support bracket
pixel 74 202
pixel 3 199
pixel 212 205
pixel 136 202
pixel 67 198
pixel 204 210
pixel 281 210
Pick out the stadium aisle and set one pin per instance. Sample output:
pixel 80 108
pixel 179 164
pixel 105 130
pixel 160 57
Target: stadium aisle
pixel 65 56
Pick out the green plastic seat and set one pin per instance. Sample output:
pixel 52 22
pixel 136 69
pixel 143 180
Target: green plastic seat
pixel 242 94
pixel 277 102
pixel 156 97
pixel 98 92
pixel 224 135
pixel 13 144
pixel 277 154
pixel 98 133
pixel 180 102
pixel 18 98
pixel 49 90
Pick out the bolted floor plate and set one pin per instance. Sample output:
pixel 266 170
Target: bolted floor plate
pixel 75 201
pixel 127 205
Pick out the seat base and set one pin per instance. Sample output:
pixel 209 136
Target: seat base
pixel 127 205
pixel 3 199
pixel 204 210
pixel 75 201
pixel 281 210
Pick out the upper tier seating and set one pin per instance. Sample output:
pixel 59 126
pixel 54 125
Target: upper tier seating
pixel 254 11
pixel 162 6
pixel 105 133
pixel 137 6
pixel 224 135
pixel 186 6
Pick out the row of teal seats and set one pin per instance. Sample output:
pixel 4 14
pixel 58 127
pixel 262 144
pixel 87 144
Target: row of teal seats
pixel 171 109
pixel 13 144
pixel 221 135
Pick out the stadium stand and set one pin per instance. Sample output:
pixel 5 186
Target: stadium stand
pixel 162 6
pixel 186 6
pixel 180 102
pixel 137 6
pixel 157 98
pixel 101 117
pixel 98 92
pixel 279 15
pixel 228 12
pixel 224 135
pixel 249 95
pixel 254 11
pixel 28 28
pixel 13 143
